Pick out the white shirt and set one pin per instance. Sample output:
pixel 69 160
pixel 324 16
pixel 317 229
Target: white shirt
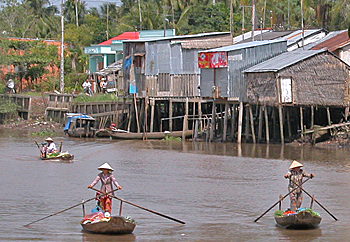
pixel 86 84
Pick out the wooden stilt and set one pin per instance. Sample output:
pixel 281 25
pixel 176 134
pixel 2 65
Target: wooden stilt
pixel 288 122
pixel 246 125
pixel 260 123
pixel 170 115
pixel 267 125
pixel 329 116
pixel 233 121
pixel 212 126
pixel 136 114
pixel 281 123
pixel 152 103
pixel 252 123
pixel 312 117
pixel 225 122
pixel 240 121
pixel 346 113
pixel 301 123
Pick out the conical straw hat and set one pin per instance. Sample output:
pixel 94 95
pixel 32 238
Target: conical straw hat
pixel 295 164
pixel 49 139
pixel 105 166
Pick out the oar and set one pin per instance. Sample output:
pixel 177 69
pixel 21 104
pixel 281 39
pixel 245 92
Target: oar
pixel 41 152
pixel 316 201
pixel 146 209
pixel 279 201
pixel 82 202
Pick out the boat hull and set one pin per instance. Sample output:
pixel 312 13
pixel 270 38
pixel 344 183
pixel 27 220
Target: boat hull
pixel 116 225
pixel 301 220
pixel 151 135
pixel 66 158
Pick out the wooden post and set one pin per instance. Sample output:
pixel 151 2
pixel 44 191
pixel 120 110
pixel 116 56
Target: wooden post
pixel 184 127
pixel 240 121
pixel 252 123
pixel 346 113
pixel 120 207
pixel 280 203
pixel 136 114
pixel 281 123
pixel 152 103
pixel 312 117
pixel 246 125
pixel 288 122
pixel 301 123
pixel 312 201
pixel 329 116
pixel 200 115
pixel 195 130
pixel 233 121
pixel 267 125
pixel 225 122
pixel 260 123
pixel 212 126
pixel 83 205
pixel 170 115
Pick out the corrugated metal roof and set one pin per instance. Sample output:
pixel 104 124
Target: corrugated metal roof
pixel 123 36
pixel 179 37
pixel 267 35
pixel 284 60
pixel 333 42
pixel 243 45
pixel 296 36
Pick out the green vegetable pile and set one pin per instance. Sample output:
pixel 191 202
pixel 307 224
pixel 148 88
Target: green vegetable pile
pixel 279 213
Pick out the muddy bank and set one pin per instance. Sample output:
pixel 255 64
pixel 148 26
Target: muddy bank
pixel 37 122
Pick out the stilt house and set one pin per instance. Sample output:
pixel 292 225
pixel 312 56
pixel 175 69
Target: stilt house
pixel 167 67
pixel 221 68
pixel 298 88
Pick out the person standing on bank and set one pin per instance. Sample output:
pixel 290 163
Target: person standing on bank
pixel 295 176
pixel 107 178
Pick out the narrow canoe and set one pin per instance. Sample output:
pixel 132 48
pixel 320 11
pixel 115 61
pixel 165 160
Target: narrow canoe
pixel 116 225
pixel 151 135
pixel 301 220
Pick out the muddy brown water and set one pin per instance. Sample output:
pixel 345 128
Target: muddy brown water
pixel 217 189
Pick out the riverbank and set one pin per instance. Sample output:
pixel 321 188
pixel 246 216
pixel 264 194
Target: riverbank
pixel 37 123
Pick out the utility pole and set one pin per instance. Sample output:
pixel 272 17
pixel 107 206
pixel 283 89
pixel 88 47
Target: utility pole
pixel 107 18
pixel 62 51
pixel 253 19
pixel 76 12
pixel 243 17
pixel 302 23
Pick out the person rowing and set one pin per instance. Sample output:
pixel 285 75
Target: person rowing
pixel 107 180
pixel 295 176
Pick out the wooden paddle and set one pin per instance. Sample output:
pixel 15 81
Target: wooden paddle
pixel 41 152
pixel 146 209
pixel 82 202
pixel 279 201
pixel 316 201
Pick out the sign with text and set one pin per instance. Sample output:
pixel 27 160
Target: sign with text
pixel 212 59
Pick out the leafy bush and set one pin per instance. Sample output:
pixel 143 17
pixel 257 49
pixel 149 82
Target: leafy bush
pixel 8 107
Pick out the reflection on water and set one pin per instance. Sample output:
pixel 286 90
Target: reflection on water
pixel 218 189
pixel 88 237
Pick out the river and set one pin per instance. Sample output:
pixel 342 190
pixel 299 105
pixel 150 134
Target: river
pixel 218 189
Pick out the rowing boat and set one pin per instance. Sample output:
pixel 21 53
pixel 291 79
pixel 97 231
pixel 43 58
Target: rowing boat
pixel 62 156
pixel 113 225
pixel 304 219
pixel 150 135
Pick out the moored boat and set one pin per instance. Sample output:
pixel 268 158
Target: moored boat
pixel 305 219
pixel 111 225
pixel 150 135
